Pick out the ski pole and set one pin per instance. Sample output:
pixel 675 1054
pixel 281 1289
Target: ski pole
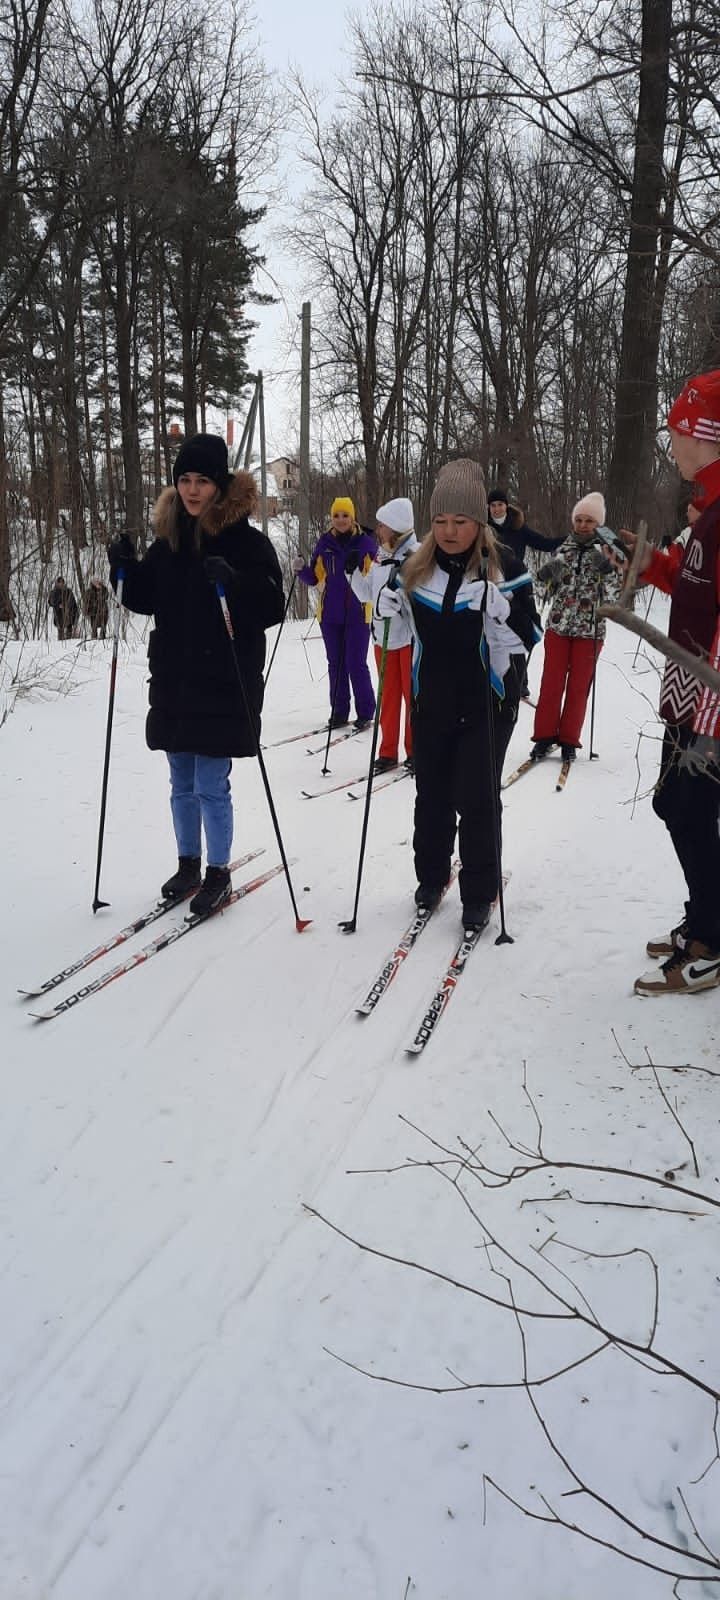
pixel 351 925
pixel 97 902
pixel 593 753
pixel 280 629
pixel 503 937
pixel 341 666
pixel 300 923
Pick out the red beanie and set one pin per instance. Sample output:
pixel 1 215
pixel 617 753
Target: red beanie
pixel 696 411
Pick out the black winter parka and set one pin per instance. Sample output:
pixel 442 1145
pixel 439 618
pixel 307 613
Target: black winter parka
pixel 196 704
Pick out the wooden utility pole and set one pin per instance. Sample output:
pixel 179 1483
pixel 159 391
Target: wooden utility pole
pixel 304 495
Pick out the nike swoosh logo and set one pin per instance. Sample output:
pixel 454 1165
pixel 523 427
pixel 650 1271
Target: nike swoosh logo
pixel 702 972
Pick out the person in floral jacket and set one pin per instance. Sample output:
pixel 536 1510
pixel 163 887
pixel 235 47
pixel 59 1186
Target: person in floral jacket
pixel 580 578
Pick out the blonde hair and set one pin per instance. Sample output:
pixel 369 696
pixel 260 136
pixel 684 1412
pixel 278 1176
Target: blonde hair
pixel 416 570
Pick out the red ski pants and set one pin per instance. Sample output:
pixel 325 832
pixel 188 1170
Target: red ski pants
pixel 566 681
pixel 396 689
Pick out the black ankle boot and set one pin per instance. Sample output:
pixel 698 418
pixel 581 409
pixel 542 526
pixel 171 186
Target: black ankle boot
pixel 182 882
pixel 216 888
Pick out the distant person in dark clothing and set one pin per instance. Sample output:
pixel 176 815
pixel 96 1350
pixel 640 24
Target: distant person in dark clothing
pixel 95 606
pixel 64 607
pixel 510 528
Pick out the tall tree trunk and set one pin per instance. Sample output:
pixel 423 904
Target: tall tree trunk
pixel 107 417
pixel 155 380
pixel 89 453
pixel 630 475
pixel 7 613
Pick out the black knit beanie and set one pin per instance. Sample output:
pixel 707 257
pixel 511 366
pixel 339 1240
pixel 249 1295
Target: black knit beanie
pixel 497 494
pixel 206 453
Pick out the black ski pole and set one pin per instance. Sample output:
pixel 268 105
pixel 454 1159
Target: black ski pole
pixel 300 923
pixel 341 667
pixel 280 629
pixel 97 902
pixel 593 753
pixel 351 925
pixel 503 937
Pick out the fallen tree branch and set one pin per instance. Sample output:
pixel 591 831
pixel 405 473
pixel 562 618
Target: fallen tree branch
pixel 659 641
pixel 628 591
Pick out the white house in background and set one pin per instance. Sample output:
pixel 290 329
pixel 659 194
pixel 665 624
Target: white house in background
pixel 275 503
pixel 286 473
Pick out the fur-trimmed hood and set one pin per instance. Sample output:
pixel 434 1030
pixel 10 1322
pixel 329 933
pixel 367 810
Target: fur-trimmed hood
pixel 239 500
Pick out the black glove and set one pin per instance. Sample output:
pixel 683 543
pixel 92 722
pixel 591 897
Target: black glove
pixel 600 563
pixel 121 551
pixel 352 561
pixel 552 571
pixel 218 570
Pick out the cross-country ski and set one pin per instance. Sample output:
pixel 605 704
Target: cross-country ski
pixel 382 782
pixel 391 967
pixel 144 921
pixel 163 942
pixel 444 992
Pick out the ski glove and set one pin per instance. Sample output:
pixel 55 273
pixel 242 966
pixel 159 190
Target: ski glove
pixel 121 551
pixel 552 571
pixel 701 757
pixel 218 570
pixel 600 564
pixel 353 561
pixel 498 607
pixel 389 602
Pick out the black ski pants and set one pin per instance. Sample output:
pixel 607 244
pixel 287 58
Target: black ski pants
pixel 453 794
pixel 690 808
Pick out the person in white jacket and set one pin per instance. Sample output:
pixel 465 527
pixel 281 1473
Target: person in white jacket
pixel 395 529
pixel 451 599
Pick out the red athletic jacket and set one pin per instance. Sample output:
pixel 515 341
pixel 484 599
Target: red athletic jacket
pixel 664 571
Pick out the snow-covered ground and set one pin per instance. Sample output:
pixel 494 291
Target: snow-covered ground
pixel 176 1423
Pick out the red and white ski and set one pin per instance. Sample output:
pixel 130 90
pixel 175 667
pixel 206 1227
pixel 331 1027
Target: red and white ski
pixel 153 949
pixel 137 926
pixel 391 967
pixel 381 783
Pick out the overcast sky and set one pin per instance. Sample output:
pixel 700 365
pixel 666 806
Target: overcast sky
pixel 313 36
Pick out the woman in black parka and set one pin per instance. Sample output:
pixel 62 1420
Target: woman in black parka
pixel 197 714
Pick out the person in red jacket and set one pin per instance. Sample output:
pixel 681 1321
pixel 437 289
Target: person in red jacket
pixel 687 796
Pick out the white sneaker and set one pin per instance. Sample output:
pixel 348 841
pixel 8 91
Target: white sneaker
pixel 667 942
pixel 691 967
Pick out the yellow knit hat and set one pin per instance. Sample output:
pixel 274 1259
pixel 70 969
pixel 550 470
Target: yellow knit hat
pixel 343 503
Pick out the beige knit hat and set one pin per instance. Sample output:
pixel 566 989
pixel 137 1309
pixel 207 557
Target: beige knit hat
pixel 460 491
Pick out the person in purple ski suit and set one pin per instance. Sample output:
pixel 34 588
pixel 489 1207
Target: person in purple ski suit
pixel 344 622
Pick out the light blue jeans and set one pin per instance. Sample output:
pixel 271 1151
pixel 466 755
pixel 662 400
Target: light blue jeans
pixel 200 793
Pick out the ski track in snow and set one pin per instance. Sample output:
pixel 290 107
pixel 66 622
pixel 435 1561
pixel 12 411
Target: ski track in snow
pixel 171 1423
